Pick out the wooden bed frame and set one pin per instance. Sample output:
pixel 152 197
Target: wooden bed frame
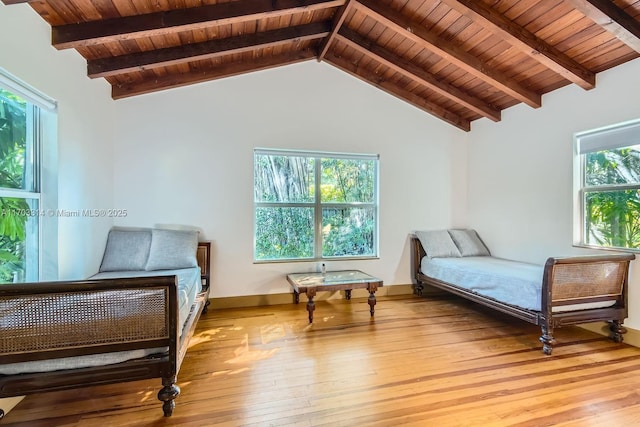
pixel 566 281
pixel 161 292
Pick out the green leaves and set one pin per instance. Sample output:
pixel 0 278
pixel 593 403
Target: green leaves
pixel 13 217
pixel 14 212
pixel 13 124
pixel 285 192
pixel 612 216
pixel 347 181
pixel 348 232
pixel 283 233
pixel 283 179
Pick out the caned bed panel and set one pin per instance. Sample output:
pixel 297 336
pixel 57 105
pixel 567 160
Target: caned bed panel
pixel 601 280
pixel 56 321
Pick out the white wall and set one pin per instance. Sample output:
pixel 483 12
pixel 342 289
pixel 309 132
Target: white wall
pixel 185 156
pixel 520 170
pixel 85 119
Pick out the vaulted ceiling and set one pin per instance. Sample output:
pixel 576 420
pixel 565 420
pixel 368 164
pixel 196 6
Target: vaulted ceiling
pixel 459 60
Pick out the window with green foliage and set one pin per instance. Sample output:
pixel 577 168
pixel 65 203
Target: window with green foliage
pixel 20 197
pixel 609 193
pixel 313 205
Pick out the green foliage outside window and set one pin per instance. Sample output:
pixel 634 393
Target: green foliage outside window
pixel 13 175
pixel 285 189
pixel 284 233
pixel 612 199
pixel 347 232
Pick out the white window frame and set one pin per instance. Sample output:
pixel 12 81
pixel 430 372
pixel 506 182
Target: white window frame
pixel 42 128
pixel 605 138
pixel 317 204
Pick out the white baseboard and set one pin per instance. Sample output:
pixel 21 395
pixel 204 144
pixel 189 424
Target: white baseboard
pixel 274 299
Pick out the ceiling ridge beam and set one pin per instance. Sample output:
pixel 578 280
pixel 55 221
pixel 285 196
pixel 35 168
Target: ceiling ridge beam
pixel 141 61
pixel 341 15
pixel 160 23
pixel 417 74
pixel 403 94
pixel 416 32
pixel 612 18
pixel 201 75
pixel 525 41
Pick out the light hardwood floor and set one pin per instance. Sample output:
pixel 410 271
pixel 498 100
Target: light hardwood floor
pixel 437 361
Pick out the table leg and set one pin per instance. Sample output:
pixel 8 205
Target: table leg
pixel 296 297
pixel 372 302
pixel 373 287
pixel 347 294
pixel 311 305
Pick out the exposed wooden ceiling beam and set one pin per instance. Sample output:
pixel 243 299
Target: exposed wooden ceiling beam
pixel 159 23
pixel 612 18
pixel 416 32
pixel 525 41
pixel 419 75
pixel 141 61
pixel 203 75
pixel 337 24
pixel 394 90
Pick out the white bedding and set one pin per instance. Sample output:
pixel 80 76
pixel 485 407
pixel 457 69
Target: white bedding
pixel 189 285
pixel 512 282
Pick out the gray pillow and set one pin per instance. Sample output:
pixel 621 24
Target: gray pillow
pixel 438 244
pixel 469 243
pixel 126 250
pixel 171 249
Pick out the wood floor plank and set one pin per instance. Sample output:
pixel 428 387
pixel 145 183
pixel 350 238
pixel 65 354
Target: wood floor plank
pixel 420 361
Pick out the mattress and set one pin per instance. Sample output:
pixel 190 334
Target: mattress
pixel 189 285
pixel 512 282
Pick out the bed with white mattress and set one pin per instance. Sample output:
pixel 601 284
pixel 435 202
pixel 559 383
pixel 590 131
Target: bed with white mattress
pixel 131 321
pixel 563 291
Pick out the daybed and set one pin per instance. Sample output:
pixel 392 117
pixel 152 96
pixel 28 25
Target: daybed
pixel 131 321
pixel 564 291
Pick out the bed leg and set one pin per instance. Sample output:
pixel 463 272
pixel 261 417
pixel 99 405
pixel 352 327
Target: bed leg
pixel 417 289
pixel 547 339
pixel 615 326
pixel 168 394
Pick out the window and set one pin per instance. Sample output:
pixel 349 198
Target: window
pixel 311 206
pixel 22 128
pixel 607 170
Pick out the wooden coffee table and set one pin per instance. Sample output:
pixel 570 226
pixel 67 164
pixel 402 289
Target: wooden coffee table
pixel 345 280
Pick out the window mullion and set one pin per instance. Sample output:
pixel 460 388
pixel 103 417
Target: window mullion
pixel 18 194
pixel 612 187
pixel 318 208
pixel 37 150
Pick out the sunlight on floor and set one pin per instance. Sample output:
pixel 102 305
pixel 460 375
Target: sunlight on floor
pixel 203 337
pixel 271 333
pixel 146 395
pixel 244 354
pixel 229 372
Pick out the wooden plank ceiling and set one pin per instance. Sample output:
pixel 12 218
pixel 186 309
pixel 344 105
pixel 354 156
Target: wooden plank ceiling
pixel 459 60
